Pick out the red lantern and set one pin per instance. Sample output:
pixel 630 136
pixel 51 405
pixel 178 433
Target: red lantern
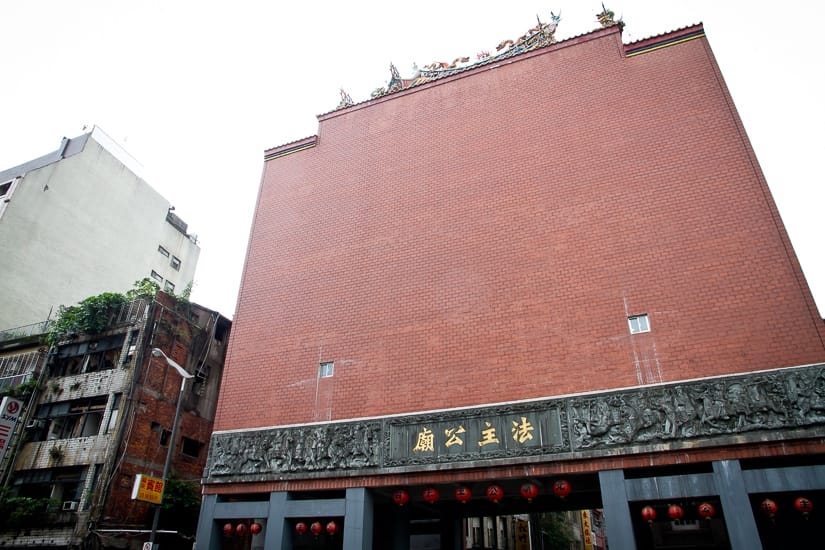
pixel 463 494
pixel 649 514
pixel 301 528
pixel 562 488
pixel 430 495
pixel 315 528
pixel 804 506
pixel 529 491
pixel 228 529
pixel 240 529
pixel 332 528
pixel 495 493
pixel 769 508
pixel 255 528
pixel 706 510
pixel 675 512
pixel 400 497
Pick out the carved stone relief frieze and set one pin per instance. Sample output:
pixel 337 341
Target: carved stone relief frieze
pixel 625 421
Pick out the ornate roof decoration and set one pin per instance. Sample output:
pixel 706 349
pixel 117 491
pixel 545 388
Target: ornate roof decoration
pixel 346 100
pixel 606 18
pixel 543 34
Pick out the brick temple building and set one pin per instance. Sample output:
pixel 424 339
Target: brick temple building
pixel 550 279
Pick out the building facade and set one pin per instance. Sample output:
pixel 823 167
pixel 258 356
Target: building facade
pixel 101 413
pixel 550 280
pixel 81 221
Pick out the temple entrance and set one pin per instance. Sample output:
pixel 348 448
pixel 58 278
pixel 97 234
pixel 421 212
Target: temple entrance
pixel 500 514
pixel 713 506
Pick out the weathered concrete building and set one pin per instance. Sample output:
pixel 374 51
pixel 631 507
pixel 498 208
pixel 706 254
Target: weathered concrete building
pixel 551 279
pixel 102 413
pixel 81 221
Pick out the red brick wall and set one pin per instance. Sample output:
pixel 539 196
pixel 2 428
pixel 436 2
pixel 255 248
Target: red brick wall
pixel 484 238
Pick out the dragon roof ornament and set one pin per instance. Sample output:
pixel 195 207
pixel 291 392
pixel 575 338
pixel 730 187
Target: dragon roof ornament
pixel 346 100
pixel 543 34
pixel 606 18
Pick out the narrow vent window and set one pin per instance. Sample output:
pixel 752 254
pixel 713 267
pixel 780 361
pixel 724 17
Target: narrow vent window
pixel 327 369
pixel 638 323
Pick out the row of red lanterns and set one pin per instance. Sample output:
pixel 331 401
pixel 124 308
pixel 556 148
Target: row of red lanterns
pixel 242 529
pixel 706 510
pixel 494 493
pixel 676 512
pixel 316 528
pixel 803 505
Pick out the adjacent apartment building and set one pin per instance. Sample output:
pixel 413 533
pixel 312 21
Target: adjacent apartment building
pixel 550 279
pixel 97 411
pixel 81 221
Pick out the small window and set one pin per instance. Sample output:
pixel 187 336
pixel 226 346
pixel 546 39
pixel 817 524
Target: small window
pixel 175 263
pixel 190 447
pixel 164 438
pixel 6 189
pixel 156 276
pixel 163 251
pixel 114 413
pixel 326 369
pixel 169 287
pixel 638 323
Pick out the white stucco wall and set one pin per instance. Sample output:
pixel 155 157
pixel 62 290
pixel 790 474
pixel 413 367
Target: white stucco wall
pixel 81 226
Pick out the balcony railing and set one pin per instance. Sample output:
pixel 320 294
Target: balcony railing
pixel 25 331
pixel 131 312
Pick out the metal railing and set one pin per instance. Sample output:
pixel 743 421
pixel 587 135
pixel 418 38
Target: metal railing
pixel 131 312
pixel 22 363
pixel 25 331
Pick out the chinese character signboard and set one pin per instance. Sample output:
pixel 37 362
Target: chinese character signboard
pixel 522 535
pixel 587 532
pixel 10 410
pixel 493 433
pixel 148 489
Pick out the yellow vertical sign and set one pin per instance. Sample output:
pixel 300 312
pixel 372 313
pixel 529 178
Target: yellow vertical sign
pixel 522 535
pixel 587 531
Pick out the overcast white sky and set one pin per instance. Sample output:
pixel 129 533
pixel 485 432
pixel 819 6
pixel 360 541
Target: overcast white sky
pixel 197 90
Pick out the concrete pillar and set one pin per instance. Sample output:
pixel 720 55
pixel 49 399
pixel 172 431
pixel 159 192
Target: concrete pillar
pixel 358 520
pixel 736 506
pixel 208 536
pixel 277 536
pixel 617 521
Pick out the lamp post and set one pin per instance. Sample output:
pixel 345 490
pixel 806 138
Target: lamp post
pixel 184 376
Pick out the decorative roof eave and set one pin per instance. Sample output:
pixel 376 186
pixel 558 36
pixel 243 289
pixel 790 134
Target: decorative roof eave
pixel 637 47
pixel 487 63
pixel 664 40
pixel 543 34
pixel 291 147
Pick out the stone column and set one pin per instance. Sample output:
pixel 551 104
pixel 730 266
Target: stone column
pixel 357 520
pixel 617 521
pixel 736 506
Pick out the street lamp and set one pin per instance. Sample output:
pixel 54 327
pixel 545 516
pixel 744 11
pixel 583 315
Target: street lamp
pixel 184 376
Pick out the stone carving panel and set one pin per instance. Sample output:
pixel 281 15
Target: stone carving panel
pixel 619 421
pixel 296 449
pixel 722 406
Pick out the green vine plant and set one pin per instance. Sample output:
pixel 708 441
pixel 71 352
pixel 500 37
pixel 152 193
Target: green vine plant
pixel 89 316
pixel 92 315
pixel 56 453
pixel 22 391
pixel 18 512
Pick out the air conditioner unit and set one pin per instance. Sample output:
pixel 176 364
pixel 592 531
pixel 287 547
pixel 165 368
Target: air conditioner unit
pixel 70 506
pixel 35 424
